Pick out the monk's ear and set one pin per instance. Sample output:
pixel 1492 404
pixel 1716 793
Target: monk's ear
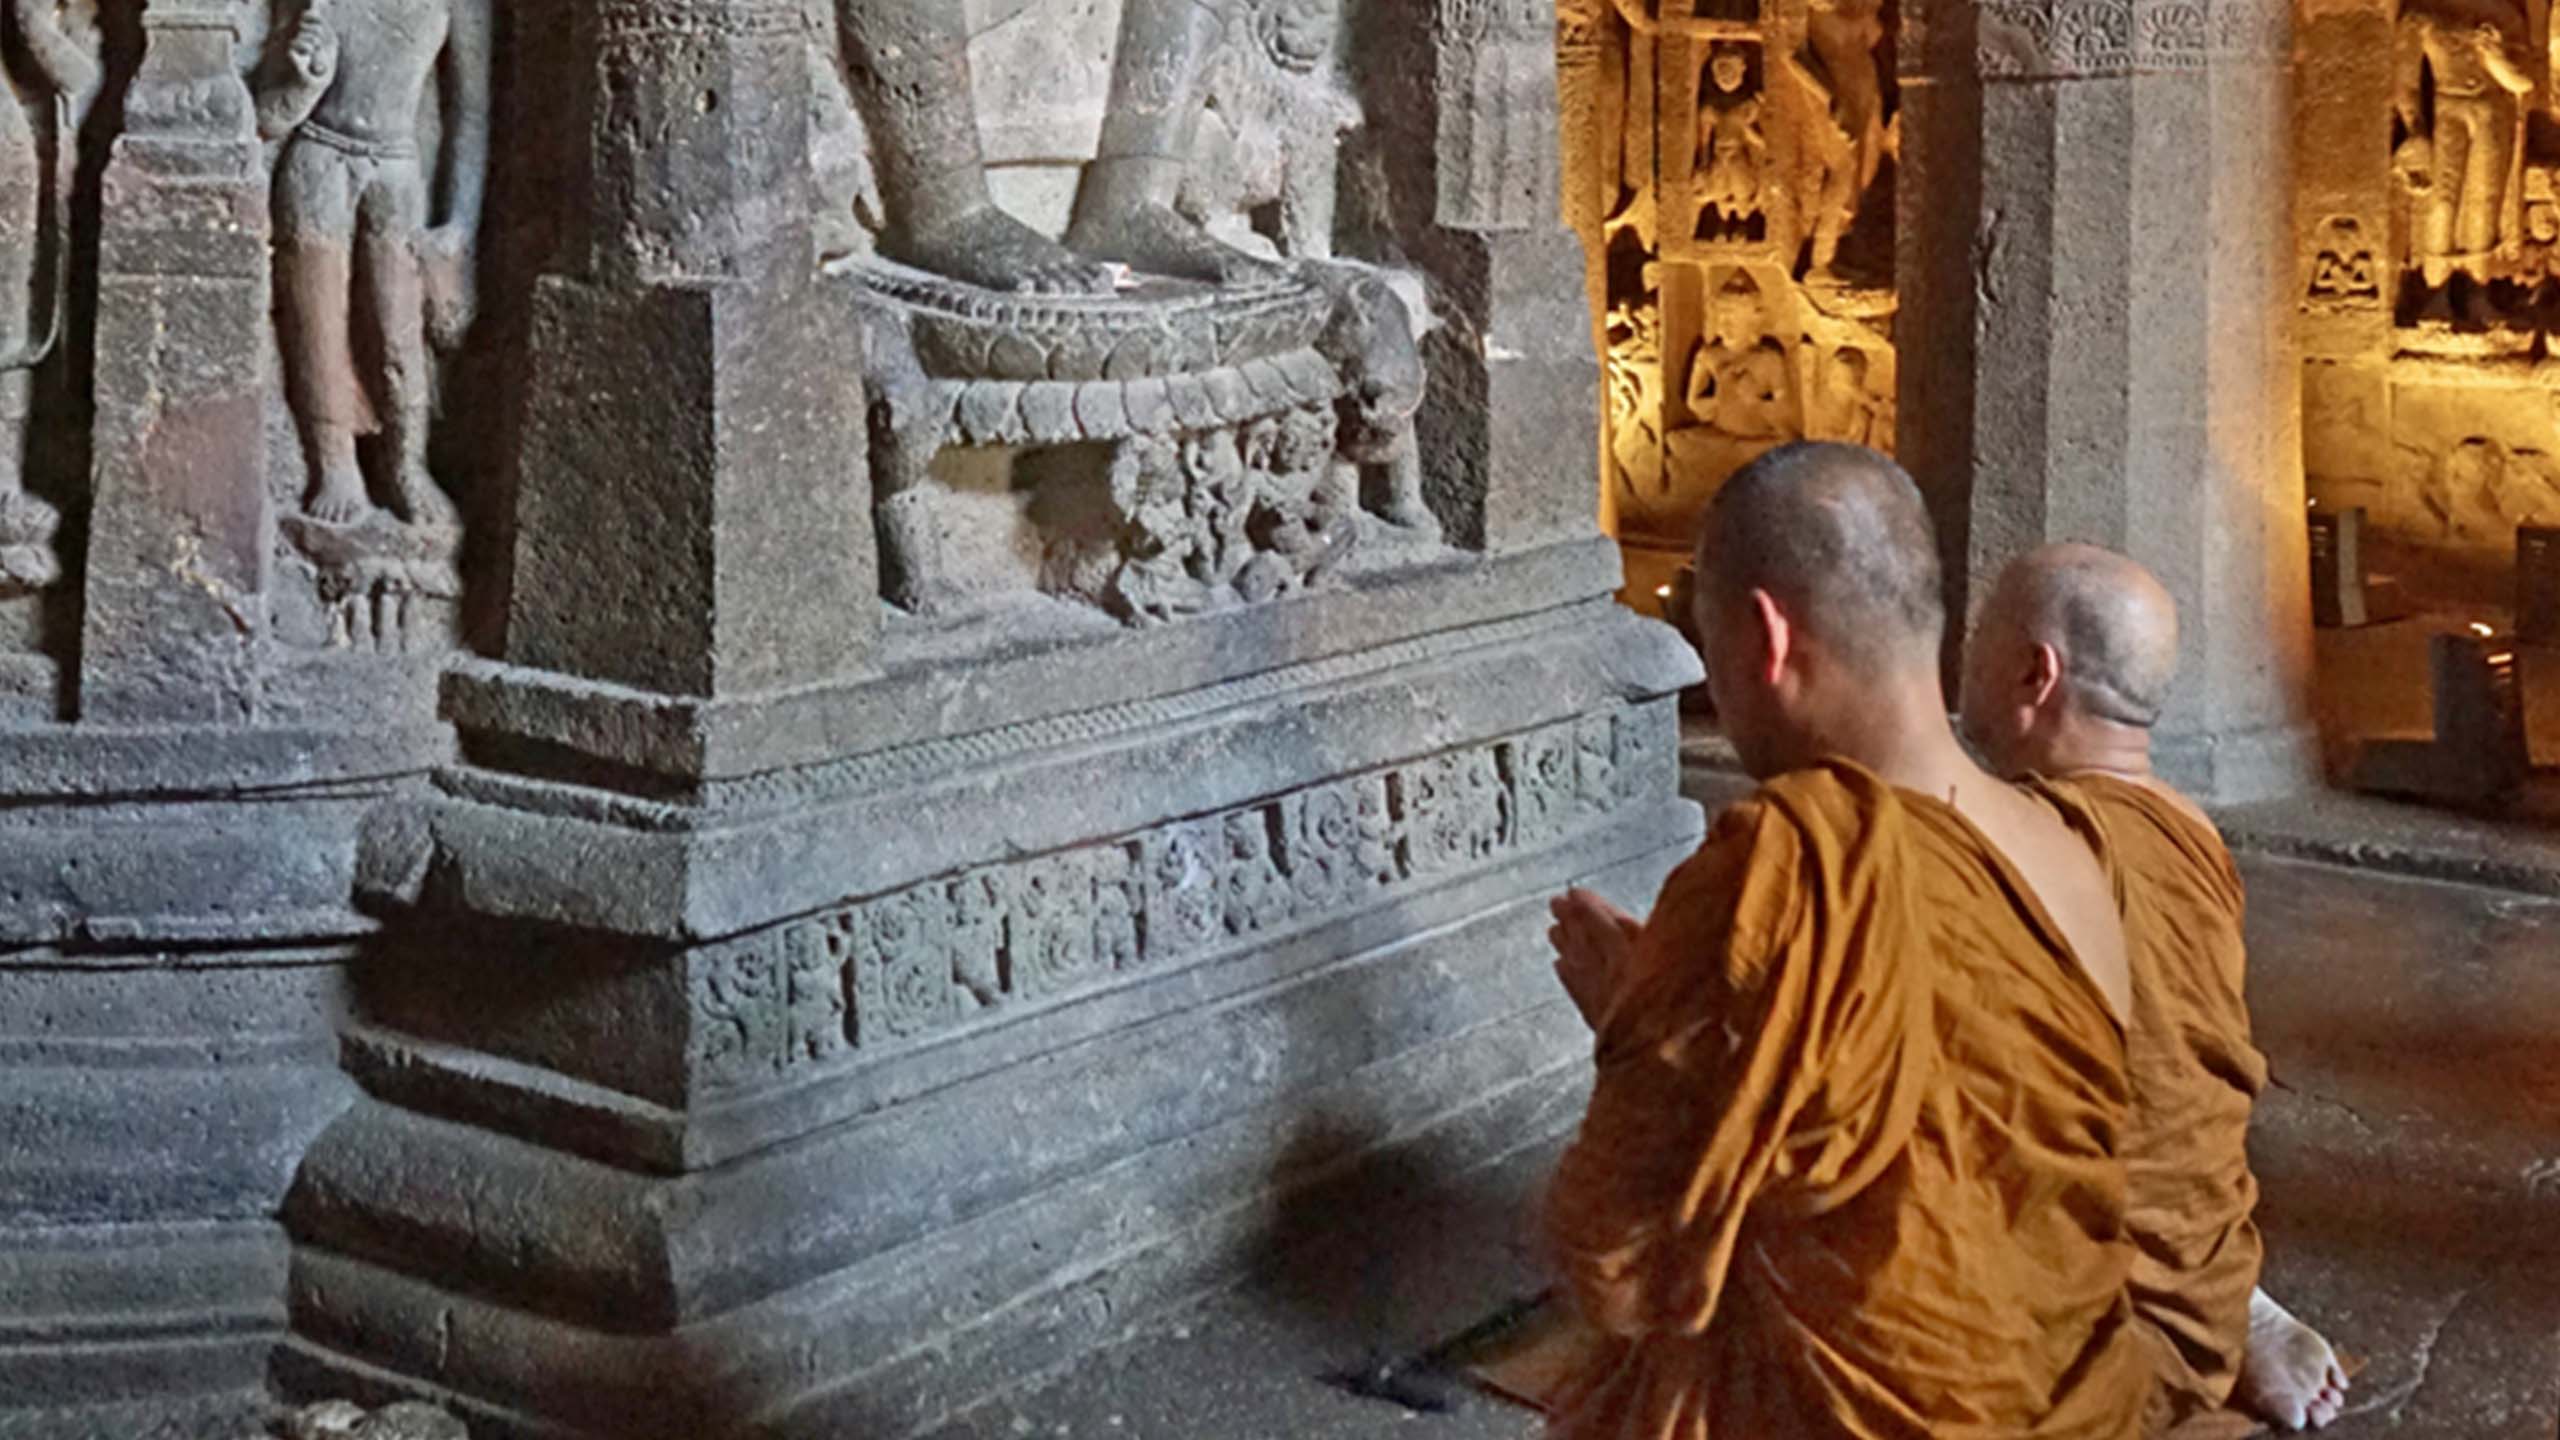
pixel 2044 673
pixel 1776 633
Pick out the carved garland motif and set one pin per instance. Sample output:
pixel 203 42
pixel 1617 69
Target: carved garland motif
pixel 904 966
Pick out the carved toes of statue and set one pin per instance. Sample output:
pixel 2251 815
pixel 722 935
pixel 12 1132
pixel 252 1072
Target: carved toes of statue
pixel 988 248
pixel 340 498
pixel 1157 240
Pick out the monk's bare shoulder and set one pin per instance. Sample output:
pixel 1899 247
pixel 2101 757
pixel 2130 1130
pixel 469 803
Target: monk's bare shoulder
pixel 2170 816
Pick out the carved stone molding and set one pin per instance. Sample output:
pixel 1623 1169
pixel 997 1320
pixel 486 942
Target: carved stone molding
pixel 899 968
pixel 2088 39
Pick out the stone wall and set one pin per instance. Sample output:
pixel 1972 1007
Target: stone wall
pixel 662 775
pixel 1730 168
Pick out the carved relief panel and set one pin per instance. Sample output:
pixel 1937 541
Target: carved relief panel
pixel 2428 244
pixel 1730 167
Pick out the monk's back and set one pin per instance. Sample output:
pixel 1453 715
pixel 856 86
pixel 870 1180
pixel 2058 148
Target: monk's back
pixel 2196 1075
pixel 1906 1116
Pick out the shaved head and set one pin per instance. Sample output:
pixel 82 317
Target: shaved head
pixel 2071 663
pixel 2112 622
pixel 1838 537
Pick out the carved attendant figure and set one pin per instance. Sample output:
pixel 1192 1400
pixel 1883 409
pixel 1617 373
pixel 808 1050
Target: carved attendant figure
pixel 1736 147
pixel 909 64
pixel 354 232
pixel 33 207
pixel 1276 108
pixel 2468 161
pixel 1634 376
pixel 1848 142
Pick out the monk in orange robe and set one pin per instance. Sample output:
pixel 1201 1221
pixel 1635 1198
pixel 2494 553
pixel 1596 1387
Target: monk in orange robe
pixel 1849 1167
pixel 2068 672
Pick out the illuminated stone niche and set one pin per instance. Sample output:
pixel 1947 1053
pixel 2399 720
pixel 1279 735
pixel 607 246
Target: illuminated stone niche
pixel 1730 167
pixel 2429 216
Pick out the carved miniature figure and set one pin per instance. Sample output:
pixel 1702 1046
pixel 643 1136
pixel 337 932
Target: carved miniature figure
pixel 1370 343
pixel 357 238
pixel 2464 164
pixel 1305 521
pixel 35 199
pixel 1740 384
pixel 1634 375
pixel 1847 142
pixel 908 63
pixel 1846 404
pixel 1276 107
pixel 1735 144
pixel 1163 549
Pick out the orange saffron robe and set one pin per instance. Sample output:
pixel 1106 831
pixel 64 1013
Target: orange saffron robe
pixel 1850 1165
pixel 2196 1076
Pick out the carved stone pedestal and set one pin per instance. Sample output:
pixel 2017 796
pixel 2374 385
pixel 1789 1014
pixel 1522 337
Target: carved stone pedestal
pixel 769 1102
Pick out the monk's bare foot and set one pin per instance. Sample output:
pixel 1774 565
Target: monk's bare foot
pixel 985 247
pixel 2289 1377
pixel 1156 240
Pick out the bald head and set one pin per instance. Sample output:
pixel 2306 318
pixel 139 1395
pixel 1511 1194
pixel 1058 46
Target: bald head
pixel 2111 622
pixel 1839 539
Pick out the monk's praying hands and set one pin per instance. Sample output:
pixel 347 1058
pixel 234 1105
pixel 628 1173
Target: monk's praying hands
pixel 1593 939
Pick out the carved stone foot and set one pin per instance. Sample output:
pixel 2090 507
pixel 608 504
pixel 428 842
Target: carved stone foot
pixel 1157 240
pixel 988 248
pixel 340 498
pixel 27 561
pixel 420 501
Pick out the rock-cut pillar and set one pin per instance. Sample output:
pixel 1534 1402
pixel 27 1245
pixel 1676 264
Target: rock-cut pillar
pixel 2098 281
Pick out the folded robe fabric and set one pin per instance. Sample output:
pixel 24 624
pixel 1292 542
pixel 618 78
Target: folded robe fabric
pixel 1850 1163
pixel 2196 1075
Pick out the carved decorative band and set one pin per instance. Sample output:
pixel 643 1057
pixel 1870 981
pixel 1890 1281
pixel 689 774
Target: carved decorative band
pixel 2034 39
pixel 624 20
pixel 901 967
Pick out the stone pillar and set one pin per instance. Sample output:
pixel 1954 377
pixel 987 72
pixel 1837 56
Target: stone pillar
pixel 696 415
pixel 1471 188
pixel 2098 277
pixel 182 532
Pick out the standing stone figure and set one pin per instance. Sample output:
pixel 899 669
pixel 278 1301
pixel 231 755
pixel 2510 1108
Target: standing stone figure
pixel 1634 375
pixel 1734 142
pixel 2464 166
pixel 908 61
pixel 355 237
pixel 1275 110
pixel 34 208
pixel 1846 144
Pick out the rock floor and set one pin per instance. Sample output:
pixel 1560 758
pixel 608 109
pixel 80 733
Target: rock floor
pixel 2409 1155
